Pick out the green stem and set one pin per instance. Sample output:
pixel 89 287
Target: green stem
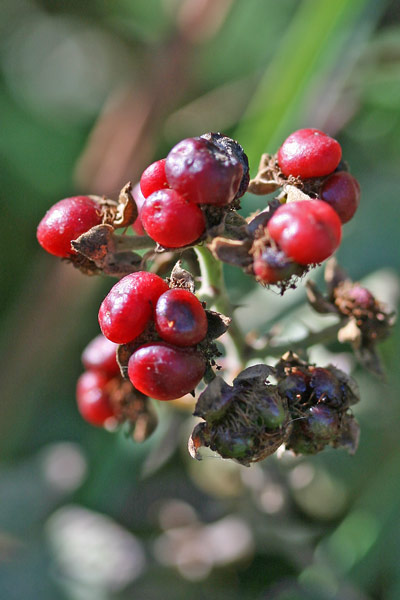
pixel 311 339
pixel 129 242
pixel 213 292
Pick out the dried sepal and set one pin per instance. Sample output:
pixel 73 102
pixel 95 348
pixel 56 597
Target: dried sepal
pixel 214 401
pixel 218 324
pixel 181 278
pixel 232 252
pixel 318 301
pixel 100 246
pixel 334 275
pixel 269 177
pixel 197 440
pixel 127 211
pixel 294 194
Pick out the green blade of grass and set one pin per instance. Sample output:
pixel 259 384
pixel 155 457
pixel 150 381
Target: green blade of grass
pixel 318 35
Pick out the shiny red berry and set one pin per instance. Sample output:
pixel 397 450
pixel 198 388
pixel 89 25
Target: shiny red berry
pixel 180 318
pixel 308 231
pixel 201 171
pixel 153 178
pixel 128 307
pixel 100 355
pixel 309 153
pixel 171 220
pixel 341 191
pixel 93 399
pixel 65 221
pixel 165 372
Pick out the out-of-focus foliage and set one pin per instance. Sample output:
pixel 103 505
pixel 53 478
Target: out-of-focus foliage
pixel 91 92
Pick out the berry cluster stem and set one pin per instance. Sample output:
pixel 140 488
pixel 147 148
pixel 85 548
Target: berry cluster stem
pixel 324 336
pixel 213 292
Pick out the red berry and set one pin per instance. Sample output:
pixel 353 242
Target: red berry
pixel 202 172
pixel 100 355
pixel 65 221
pixel 139 199
pixel 128 307
pixel 164 372
pixel 309 153
pixel 171 220
pixel 153 178
pixel 92 398
pixel 307 231
pixel 341 191
pixel 180 318
pixel 273 265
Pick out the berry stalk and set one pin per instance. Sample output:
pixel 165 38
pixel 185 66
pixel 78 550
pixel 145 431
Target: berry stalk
pixel 214 293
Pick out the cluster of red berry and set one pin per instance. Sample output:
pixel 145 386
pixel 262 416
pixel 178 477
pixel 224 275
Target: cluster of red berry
pixel 181 200
pixel 95 384
pixel 163 327
pixel 308 231
pixel 199 172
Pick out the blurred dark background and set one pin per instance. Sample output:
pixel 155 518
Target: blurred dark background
pixel 90 93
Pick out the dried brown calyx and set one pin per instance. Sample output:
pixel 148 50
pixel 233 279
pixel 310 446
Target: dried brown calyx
pixel 132 409
pixel 100 250
pixel 365 320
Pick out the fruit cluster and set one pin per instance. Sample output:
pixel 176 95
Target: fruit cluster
pixel 305 231
pixel 307 410
pixel 163 328
pixel 198 173
pixel 162 334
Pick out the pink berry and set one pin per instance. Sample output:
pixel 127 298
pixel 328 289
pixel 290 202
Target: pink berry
pixel 153 178
pixel 65 221
pixel 100 355
pixel 308 231
pixel 171 220
pixel 341 191
pixel 165 372
pixel 128 307
pixel 202 172
pixel 309 153
pixel 93 399
pixel 180 318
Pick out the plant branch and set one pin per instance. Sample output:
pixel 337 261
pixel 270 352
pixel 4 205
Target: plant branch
pixel 129 242
pixel 213 292
pixel 311 339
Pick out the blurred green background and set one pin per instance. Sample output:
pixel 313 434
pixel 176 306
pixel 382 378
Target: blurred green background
pixel 90 93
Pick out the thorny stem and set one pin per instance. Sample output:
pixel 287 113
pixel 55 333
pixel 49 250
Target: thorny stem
pixel 213 292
